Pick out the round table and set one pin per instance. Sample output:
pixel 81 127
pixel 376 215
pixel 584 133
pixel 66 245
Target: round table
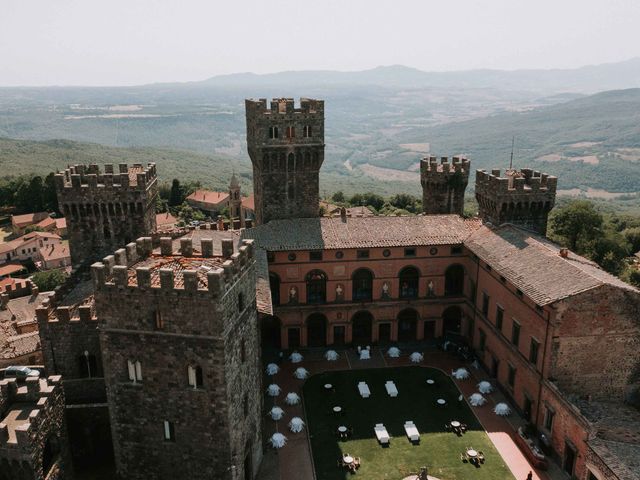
pixel 342 429
pixel 472 453
pixel 348 459
pixel 337 409
pixel 328 386
pixel 441 401
pixel 430 381
pixel 455 424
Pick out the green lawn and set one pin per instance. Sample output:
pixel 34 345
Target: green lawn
pixel 439 450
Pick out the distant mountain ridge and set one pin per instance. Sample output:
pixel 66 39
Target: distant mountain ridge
pixel 586 79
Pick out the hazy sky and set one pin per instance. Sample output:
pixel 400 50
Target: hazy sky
pixel 120 42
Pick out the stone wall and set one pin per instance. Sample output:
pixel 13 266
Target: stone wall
pixel 285 168
pixel 106 210
pixel 201 327
pixel 444 184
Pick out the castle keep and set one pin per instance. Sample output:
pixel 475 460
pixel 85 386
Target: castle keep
pixel 443 184
pixel 522 197
pixel 178 331
pixel 106 210
pixel 286 147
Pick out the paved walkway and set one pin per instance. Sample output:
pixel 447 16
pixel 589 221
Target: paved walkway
pixel 295 461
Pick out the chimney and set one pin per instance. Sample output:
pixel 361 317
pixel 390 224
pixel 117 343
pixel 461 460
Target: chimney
pixel 564 253
pixel 343 214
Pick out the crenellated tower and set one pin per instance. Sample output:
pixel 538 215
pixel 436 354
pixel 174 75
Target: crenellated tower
pixel 235 200
pixel 181 354
pixel 106 209
pixel 522 197
pixel 444 184
pixel 286 147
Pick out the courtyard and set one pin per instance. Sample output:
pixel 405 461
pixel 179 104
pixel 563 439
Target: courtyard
pixel 439 449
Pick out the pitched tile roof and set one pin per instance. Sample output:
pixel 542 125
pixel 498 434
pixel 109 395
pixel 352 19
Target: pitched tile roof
pixel 165 219
pixel 249 202
pixel 28 219
pixel 360 232
pixel 209 197
pixel 55 252
pixel 534 265
pixel 11 268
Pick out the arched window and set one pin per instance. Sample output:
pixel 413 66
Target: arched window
pixel 316 286
pixel 194 374
pixel 362 281
pixel 409 280
pixel 88 366
pixel 274 286
pixel 240 302
pixel 273 132
pixel 291 162
pixel 291 132
pixel 454 280
pixel 291 192
pixel 134 369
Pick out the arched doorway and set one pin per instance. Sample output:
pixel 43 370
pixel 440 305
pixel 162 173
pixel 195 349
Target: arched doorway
pixel 407 325
pixel 454 280
pixel 316 330
pixel 274 286
pixel 362 281
pixel 316 286
pixel 452 320
pixel 270 332
pixel 361 325
pixel 409 280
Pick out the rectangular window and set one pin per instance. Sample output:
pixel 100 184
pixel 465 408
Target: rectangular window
pixel 159 322
pixel 485 304
pixel 515 333
pixel 488 267
pixel 315 256
pixel 518 292
pixel 533 351
pixel 499 317
pixel 362 254
pixel 169 432
pixel 502 279
pixel 511 379
pixel 409 252
pixel 482 342
pixel 457 250
pixel 135 371
pixel 548 419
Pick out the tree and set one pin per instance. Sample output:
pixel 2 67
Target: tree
pixel 49 280
pixel 338 197
pixel 632 235
pixel 176 196
pixel 49 196
pixel 609 252
pixel 579 223
pixel 404 201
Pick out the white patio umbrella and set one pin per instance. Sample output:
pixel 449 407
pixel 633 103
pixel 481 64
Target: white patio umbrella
pixel 295 357
pixel 296 424
pixel 477 400
pixel 485 387
pixel 365 355
pixel 393 352
pixel 416 357
pixel 278 440
pixel 301 373
pixel 461 374
pixel 502 409
pixel 292 398
pixel 331 355
pixel 273 390
pixel 272 369
pixel 276 413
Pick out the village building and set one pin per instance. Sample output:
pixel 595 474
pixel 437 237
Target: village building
pixel 19 223
pixel 209 202
pixel 28 247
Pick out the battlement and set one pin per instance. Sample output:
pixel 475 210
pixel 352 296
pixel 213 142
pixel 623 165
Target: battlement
pixel 82 312
pixel 25 409
pixel 284 106
pixel 525 180
pixel 429 166
pixel 184 271
pixel 80 178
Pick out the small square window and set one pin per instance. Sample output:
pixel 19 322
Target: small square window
pixel 457 250
pixel 502 279
pixel 409 252
pixel 292 257
pixel 362 254
pixel 489 268
pixel 315 256
pixel 271 257
pixel 518 292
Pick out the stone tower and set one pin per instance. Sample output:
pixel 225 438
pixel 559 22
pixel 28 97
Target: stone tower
pixel 443 184
pixel 523 197
pixel 181 353
pixel 106 210
pixel 286 147
pixel 235 200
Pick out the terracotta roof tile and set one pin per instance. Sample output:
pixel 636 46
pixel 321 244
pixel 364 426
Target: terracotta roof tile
pixel 209 197
pixel 360 232
pixel 534 265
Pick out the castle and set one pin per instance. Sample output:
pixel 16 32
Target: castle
pixel 159 347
